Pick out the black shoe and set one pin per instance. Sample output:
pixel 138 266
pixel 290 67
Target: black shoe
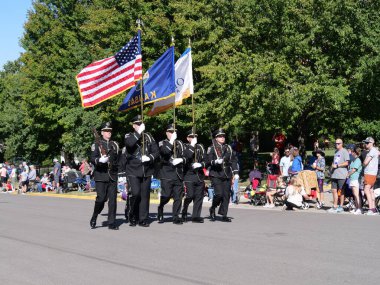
pixel 198 220
pixel 177 221
pixel 160 216
pixel 93 223
pixel 113 227
pixel 184 217
pixel 132 222
pixel 144 224
pixel 226 219
pixel 212 215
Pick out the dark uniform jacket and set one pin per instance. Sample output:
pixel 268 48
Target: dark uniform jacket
pixel 229 167
pixel 168 170
pixel 133 144
pixel 105 171
pixel 195 175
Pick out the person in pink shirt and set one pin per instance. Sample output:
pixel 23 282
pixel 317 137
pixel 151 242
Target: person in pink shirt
pixel 3 172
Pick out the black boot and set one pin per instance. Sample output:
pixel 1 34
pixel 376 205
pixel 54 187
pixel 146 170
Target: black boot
pixel 197 220
pixel 177 221
pixel 226 219
pixel 113 227
pixel 144 224
pixel 184 216
pixel 160 214
pixel 212 214
pixel 132 220
pixel 93 222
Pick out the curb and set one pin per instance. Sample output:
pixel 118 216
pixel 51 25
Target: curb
pixel 75 196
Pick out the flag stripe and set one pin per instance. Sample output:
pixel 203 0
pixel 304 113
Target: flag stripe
pixel 107 79
pixel 96 65
pixel 102 89
pixel 94 74
pixel 106 97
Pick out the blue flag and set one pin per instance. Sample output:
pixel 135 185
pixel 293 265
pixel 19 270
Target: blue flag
pixel 159 83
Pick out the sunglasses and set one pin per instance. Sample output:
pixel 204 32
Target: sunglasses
pixel 338 143
pixel 368 142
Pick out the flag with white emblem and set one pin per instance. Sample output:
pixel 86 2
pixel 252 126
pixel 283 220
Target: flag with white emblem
pixel 106 78
pixel 183 82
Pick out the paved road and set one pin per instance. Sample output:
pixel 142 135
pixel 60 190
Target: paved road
pixel 47 240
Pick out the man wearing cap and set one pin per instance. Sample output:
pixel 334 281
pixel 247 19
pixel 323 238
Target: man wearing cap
pixel 141 153
pixel 223 168
pixel 194 178
pixel 370 164
pixel 339 171
pixel 105 156
pixel 172 152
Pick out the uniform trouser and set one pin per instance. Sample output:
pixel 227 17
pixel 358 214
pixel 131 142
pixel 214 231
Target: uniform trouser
pixel 222 188
pixel 106 191
pixel 171 188
pixel 139 197
pixel 194 192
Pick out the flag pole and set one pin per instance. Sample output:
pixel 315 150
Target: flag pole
pixel 193 115
pixel 174 118
pixel 139 24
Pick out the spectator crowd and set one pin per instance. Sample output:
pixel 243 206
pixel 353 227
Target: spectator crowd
pixel 353 174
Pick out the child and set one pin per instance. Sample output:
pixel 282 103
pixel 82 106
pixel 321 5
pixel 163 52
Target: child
pixel 319 166
pixel 294 194
pixel 279 187
pixel 9 187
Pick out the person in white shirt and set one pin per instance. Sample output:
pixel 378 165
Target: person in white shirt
pixel 24 181
pixel 285 164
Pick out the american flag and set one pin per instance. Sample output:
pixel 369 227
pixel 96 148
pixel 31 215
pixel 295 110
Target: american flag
pixel 106 78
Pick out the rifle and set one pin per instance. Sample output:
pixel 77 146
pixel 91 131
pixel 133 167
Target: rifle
pixel 219 154
pixel 218 151
pixel 103 151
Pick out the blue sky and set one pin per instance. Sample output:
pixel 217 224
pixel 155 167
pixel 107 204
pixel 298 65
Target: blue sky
pixel 13 15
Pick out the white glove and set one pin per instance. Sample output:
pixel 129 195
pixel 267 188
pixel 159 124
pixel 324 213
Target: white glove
pixel 177 161
pixel 236 177
pixel 194 141
pixel 141 128
pixel 196 165
pixel 173 137
pixel 219 161
pixel 103 159
pixel 121 179
pixel 145 158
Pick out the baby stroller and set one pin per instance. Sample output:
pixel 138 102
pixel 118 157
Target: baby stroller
pixel 272 186
pixel 257 194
